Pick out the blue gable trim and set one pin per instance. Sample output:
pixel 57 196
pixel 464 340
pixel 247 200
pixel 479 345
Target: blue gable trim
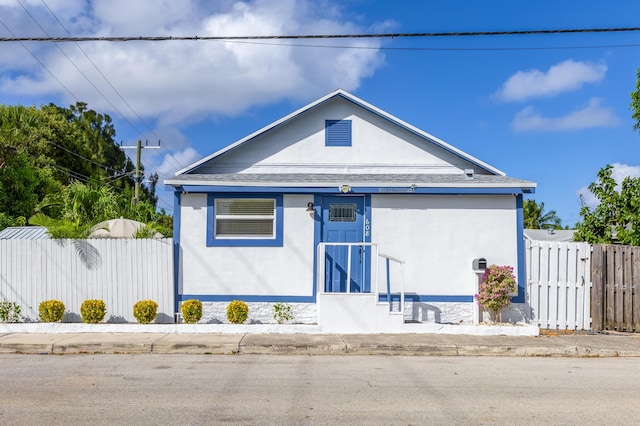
pixel 248 242
pixel 355 101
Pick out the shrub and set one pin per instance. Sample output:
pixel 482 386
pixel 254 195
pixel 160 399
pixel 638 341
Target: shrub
pixel 191 311
pixel 9 311
pixel 237 312
pixel 497 283
pixel 145 311
pixel 93 311
pixel 51 310
pixel 282 312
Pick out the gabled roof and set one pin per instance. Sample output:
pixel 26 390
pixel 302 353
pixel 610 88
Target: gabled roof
pixel 357 101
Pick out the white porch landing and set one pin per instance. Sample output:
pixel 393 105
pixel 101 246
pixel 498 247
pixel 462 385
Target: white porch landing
pixel 357 313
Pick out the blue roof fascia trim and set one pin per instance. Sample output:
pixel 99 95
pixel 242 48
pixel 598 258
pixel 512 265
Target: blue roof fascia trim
pixel 247 298
pixel 356 190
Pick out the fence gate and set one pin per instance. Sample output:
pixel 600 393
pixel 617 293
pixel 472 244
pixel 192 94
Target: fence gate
pixel 615 296
pixel 559 282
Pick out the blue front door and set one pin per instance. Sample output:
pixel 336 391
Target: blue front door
pixel 342 222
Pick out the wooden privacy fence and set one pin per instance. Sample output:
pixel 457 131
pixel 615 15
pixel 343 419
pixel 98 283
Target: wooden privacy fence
pixel 118 271
pixel 616 296
pixel 559 284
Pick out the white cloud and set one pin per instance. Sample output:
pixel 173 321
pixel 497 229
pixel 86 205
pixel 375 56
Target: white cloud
pixel 170 164
pixel 563 77
pixel 592 115
pixel 618 173
pixel 178 82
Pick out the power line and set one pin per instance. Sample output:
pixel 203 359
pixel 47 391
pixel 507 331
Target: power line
pixel 89 81
pixel 453 49
pixel 79 70
pixel 84 158
pixel 325 36
pixel 103 76
pixel 42 64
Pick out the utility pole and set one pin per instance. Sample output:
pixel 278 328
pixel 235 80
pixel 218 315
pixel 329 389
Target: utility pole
pixel 139 148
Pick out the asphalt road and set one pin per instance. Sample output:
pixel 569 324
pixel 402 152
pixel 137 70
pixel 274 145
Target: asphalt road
pixel 352 389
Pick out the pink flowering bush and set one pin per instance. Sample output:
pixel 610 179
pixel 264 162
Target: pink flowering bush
pixel 497 283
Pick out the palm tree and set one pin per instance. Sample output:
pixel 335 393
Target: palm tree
pixel 536 218
pixel 72 212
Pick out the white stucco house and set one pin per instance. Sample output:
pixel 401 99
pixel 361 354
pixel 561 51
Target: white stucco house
pixel 355 218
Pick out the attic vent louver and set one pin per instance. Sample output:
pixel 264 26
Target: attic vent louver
pixel 338 132
pixel 469 173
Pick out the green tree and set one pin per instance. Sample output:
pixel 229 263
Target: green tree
pixel 18 185
pixel 44 150
pixel 72 212
pixel 616 218
pixel 635 103
pixel 535 216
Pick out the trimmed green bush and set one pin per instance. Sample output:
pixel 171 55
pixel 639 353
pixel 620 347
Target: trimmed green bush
pixel 9 311
pixel 93 311
pixel 282 313
pixel 145 311
pixel 237 312
pixel 51 311
pixel 191 311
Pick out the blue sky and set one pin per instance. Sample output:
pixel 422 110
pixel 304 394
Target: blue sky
pixel 549 108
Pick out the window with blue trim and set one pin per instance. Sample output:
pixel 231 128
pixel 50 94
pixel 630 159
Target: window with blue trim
pixel 337 132
pixel 244 220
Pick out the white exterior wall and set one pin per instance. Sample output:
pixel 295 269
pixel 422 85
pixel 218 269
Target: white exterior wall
pixel 378 146
pixel 438 236
pixel 252 271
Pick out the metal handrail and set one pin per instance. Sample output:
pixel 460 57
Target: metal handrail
pixel 401 262
pixel 321 255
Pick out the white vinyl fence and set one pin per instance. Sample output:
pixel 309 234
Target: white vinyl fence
pixel 559 284
pixel 118 271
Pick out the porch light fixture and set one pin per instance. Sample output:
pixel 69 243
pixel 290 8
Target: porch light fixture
pixel 344 188
pixel 310 207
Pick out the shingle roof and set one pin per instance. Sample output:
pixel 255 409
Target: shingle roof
pixel 321 180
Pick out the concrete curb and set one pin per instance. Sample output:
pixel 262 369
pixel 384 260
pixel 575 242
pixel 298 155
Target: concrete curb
pixel 519 329
pixel 572 346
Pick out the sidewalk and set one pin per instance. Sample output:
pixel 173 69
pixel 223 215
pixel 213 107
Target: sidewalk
pixel 565 345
